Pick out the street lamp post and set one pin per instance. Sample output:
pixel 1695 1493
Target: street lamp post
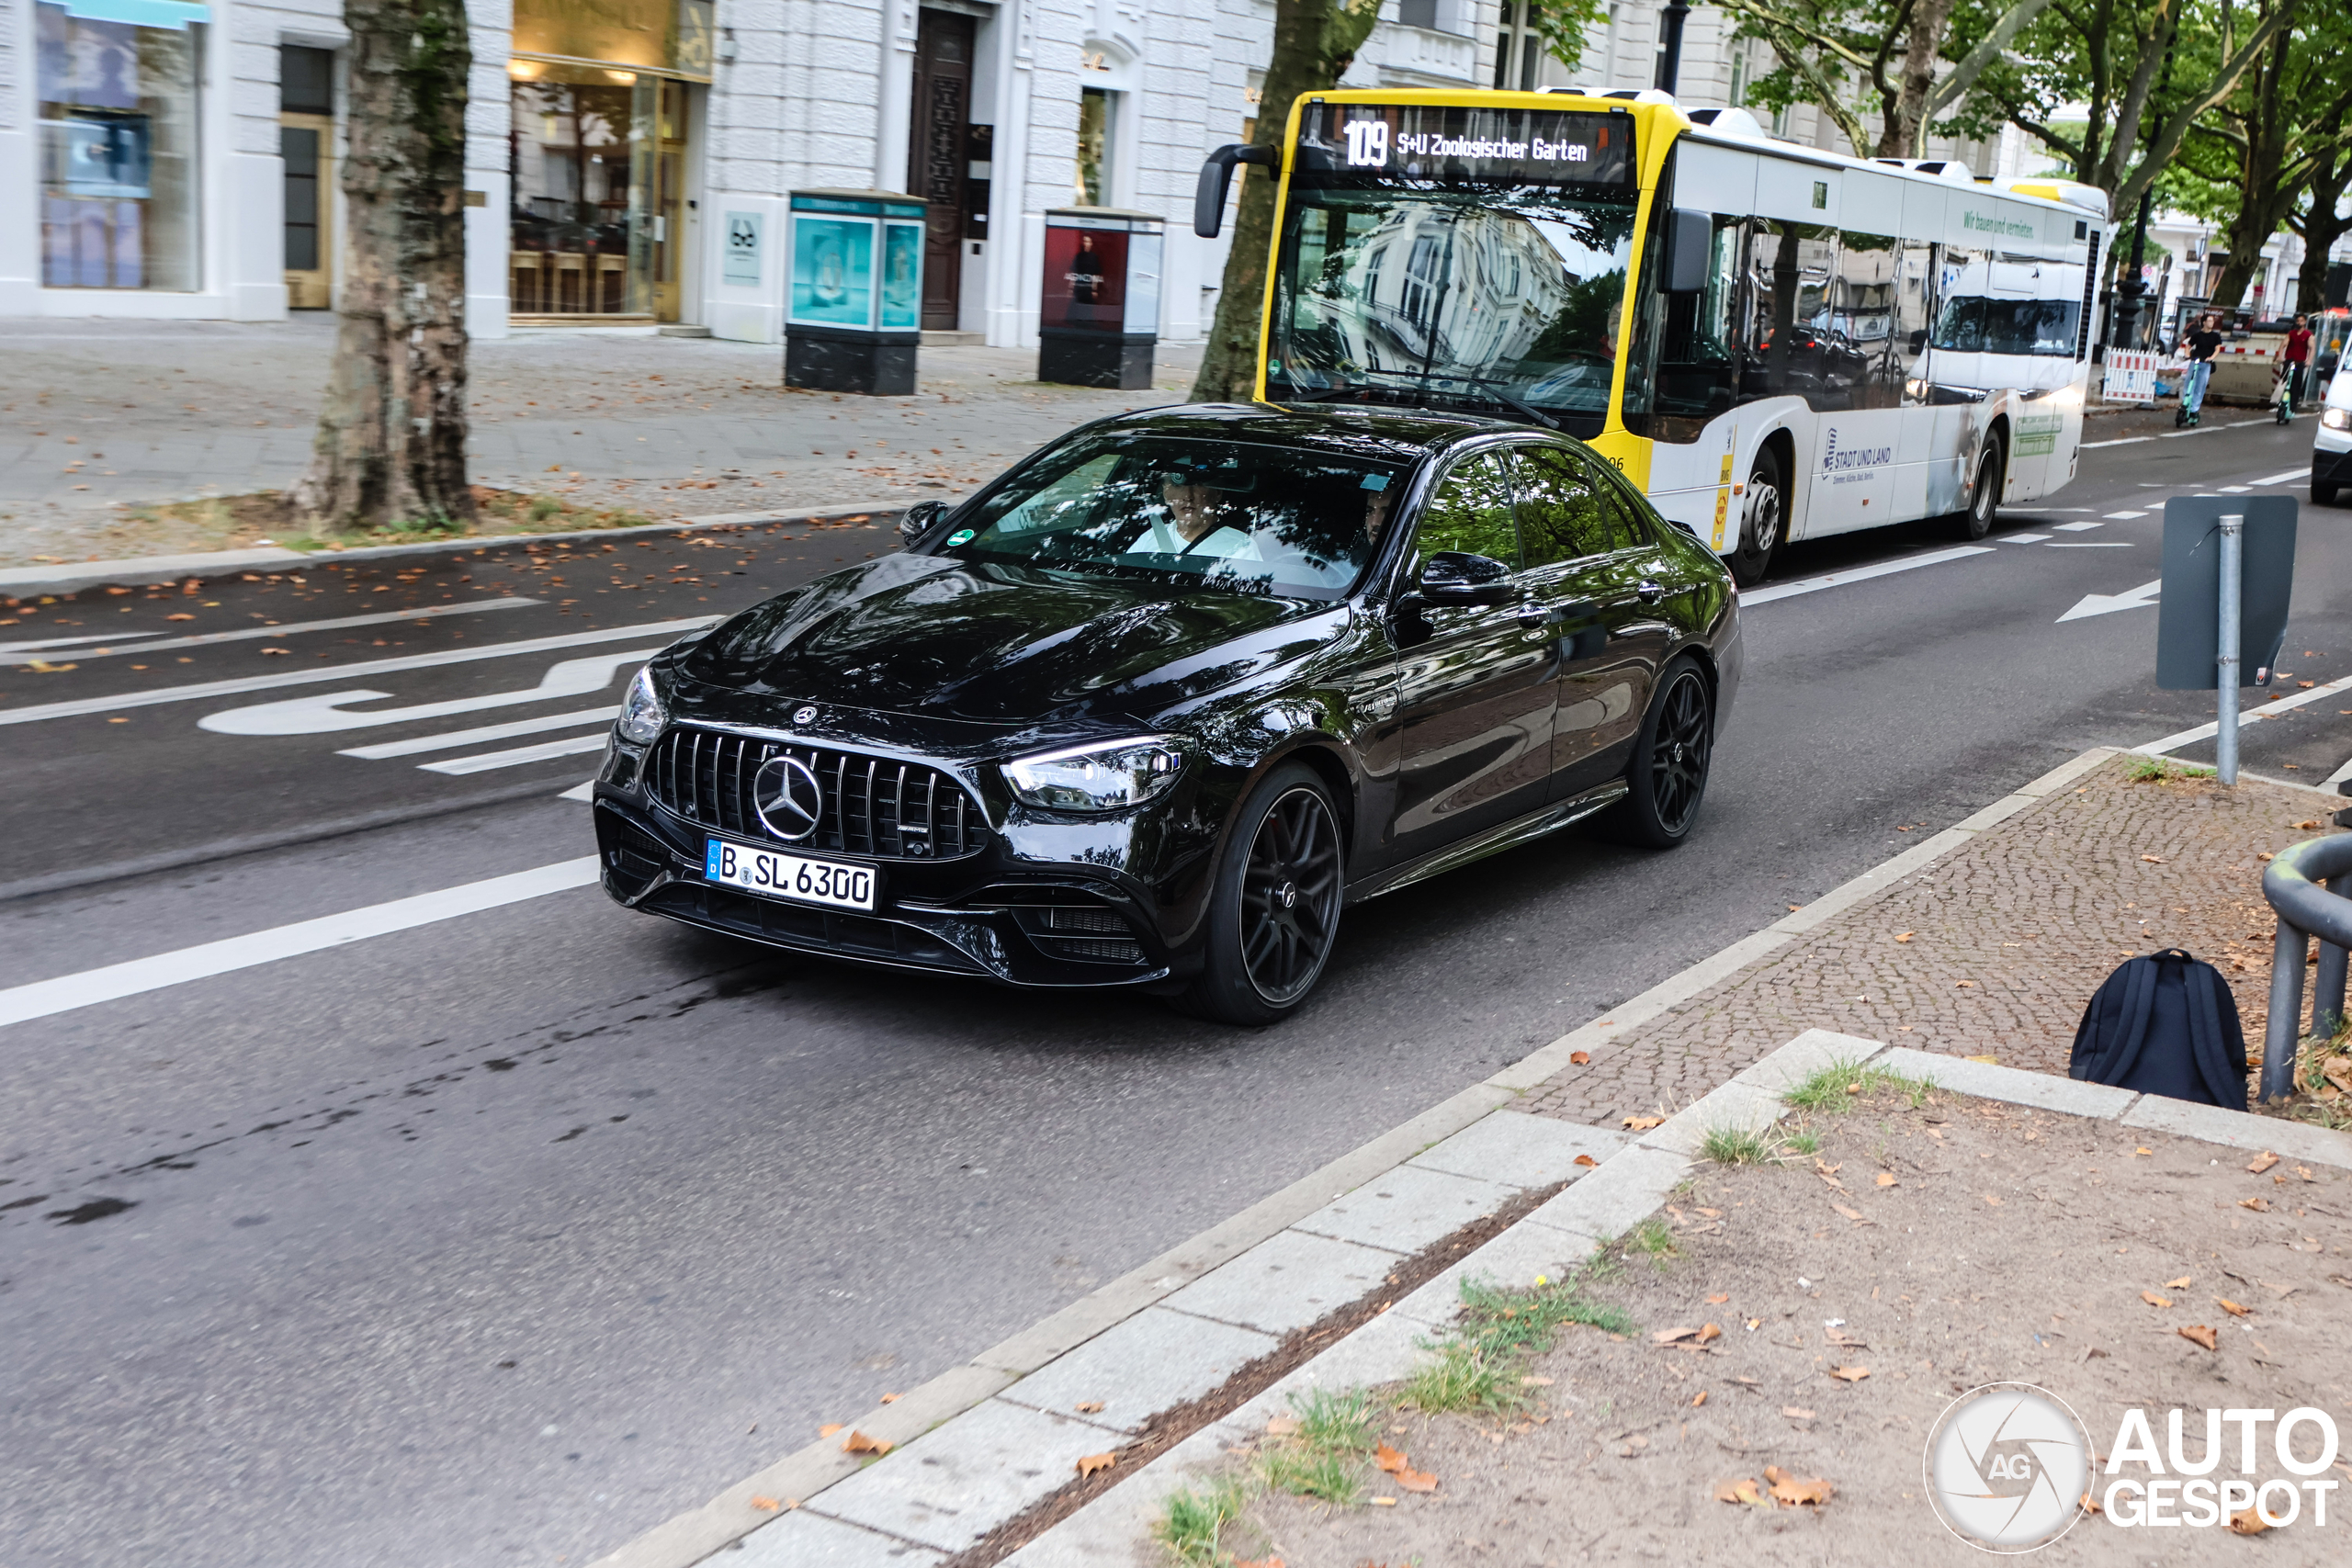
pixel 2127 308
pixel 1669 56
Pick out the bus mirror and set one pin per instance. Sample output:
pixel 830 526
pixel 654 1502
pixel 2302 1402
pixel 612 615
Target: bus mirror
pixel 1688 235
pixel 1217 180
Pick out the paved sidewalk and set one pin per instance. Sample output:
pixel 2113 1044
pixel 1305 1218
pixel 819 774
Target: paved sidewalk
pixel 1994 950
pixel 98 416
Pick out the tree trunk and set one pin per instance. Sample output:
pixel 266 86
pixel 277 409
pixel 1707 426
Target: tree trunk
pixel 1315 41
pixel 2321 229
pixel 391 442
pixel 1904 130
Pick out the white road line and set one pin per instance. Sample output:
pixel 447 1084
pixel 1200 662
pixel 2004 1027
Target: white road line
pixel 2111 518
pixel 44 999
pixel 2292 476
pixel 2118 441
pixel 2089 545
pixel 454 739
pixel 1857 574
pixel 584 790
pixel 290 628
pixel 322 712
pixel 2206 731
pixel 2338 776
pixel 2087 527
pixel 482 762
pixel 2236 489
pixel 40 644
pixel 2174 434
pixel 2021 538
pixel 80 706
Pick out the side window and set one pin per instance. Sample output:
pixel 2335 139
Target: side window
pixel 1861 322
pixel 1565 510
pixel 1913 296
pixel 1788 268
pixel 1471 513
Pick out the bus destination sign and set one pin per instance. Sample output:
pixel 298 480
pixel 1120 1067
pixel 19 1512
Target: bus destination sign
pixel 1476 146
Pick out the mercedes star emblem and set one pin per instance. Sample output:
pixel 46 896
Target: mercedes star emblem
pixel 804 716
pixel 789 797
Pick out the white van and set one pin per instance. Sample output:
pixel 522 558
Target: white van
pixel 2331 448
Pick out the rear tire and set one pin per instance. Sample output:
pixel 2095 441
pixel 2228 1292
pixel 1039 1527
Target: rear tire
pixel 1274 908
pixel 1667 778
pixel 1763 519
pixel 2323 495
pixel 1985 495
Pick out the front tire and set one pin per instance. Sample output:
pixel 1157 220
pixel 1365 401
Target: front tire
pixel 1274 912
pixel 1667 778
pixel 1985 496
pixel 1763 517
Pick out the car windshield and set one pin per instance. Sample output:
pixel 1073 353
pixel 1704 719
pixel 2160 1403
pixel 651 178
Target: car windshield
pixel 1234 516
pixel 1507 297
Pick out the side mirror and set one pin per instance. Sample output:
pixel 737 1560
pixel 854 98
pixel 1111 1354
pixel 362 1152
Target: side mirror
pixel 1216 181
pixel 1690 236
pixel 916 520
pixel 1455 577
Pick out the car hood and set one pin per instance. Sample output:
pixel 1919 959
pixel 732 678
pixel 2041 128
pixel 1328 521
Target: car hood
pixel 998 644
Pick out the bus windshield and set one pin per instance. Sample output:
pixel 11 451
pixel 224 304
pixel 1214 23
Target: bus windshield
pixel 1505 298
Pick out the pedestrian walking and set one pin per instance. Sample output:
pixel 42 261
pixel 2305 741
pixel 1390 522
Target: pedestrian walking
pixel 2203 343
pixel 2298 357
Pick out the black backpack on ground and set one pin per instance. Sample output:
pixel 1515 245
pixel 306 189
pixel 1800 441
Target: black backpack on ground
pixel 2165 1025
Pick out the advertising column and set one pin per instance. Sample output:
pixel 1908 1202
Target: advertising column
pixel 1099 318
pixel 854 310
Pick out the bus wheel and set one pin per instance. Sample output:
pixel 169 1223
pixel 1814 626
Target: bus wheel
pixel 1985 495
pixel 1761 519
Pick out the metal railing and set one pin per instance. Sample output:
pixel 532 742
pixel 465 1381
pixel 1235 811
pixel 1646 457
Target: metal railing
pixel 2305 909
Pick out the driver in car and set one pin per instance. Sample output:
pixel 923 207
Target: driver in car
pixel 1198 520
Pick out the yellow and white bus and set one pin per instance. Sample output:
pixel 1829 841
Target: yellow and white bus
pixel 1775 342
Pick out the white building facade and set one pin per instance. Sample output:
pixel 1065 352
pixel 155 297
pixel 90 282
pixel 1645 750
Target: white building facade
pixel 629 162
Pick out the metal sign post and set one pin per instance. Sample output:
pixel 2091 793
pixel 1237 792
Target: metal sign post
pixel 2225 734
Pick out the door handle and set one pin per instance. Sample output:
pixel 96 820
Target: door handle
pixel 1650 590
pixel 1533 615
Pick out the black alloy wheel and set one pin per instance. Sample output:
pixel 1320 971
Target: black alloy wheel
pixel 1985 495
pixel 1274 915
pixel 1762 518
pixel 1668 780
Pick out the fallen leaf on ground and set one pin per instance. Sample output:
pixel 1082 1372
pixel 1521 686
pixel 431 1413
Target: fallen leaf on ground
pixel 2246 1522
pixel 1965 984
pixel 2179 1284
pixel 1283 1427
pixel 1988 1061
pixel 1697 1399
pixel 892 1398
pixel 1644 1124
pixel 1531 1380
pixel 1092 1462
pixel 1260 1563
pixel 1718 1299
pixel 1886 1179
pixel 1794 1413
pixel 2259 1205
pixel 1791 1491
pixel 1088 1406
pixel 2154 1300
pixel 1587 1160
pixel 829 1430
pixel 1671 1336
pixel 1580 1059
pixel 1903 936
pixel 1739 1489
pixel 2262 1162
pixel 1823 1167
pixel 2231 1307
pixel 2154 859
pixel 859 1443
pixel 1388 1459
pixel 766 1504
pixel 2089 1503
pixel 1416 1480
pixel 1382 1502
pixel 2199 1334
pixel 1850 1374
pixel 2137 1153
pixel 1990 1199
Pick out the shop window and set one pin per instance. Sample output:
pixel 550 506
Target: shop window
pixel 584 163
pixel 116 85
pixel 1093 186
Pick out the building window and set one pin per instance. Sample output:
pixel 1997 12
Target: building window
pixel 1738 80
pixel 1417 13
pixel 117 83
pixel 1094 111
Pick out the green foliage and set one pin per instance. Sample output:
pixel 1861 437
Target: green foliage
pixel 1194 1526
pixel 1838 1086
pixel 1562 23
pixel 1334 1423
pixel 1735 1146
pixel 1652 1239
pixel 1337 1479
pixel 1475 1368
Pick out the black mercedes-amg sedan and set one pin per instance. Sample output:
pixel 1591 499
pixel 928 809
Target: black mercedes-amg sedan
pixel 1154 707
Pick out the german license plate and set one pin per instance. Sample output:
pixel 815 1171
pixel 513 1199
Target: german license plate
pixel 775 875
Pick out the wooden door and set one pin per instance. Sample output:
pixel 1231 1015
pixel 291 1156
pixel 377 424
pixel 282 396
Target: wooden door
pixel 938 159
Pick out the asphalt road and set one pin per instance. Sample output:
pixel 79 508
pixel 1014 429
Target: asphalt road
pixel 501 1237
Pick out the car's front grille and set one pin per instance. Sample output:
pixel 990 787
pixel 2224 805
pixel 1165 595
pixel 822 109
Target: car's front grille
pixel 872 806
pixel 1087 932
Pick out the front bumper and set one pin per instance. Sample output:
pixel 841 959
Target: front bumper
pixel 1001 914
pixel 2332 467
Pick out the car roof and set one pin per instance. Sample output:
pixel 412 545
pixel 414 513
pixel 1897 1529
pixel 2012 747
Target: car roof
pixel 1356 430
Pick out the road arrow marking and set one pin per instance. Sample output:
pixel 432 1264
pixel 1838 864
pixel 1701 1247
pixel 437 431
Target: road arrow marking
pixel 2140 598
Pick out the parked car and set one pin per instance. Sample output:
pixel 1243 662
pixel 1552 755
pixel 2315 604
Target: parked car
pixel 1154 707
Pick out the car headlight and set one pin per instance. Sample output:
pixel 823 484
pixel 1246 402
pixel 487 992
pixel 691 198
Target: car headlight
pixel 1097 778
pixel 642 715
pixel 2337 419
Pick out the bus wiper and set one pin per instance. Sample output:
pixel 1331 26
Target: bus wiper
pixel 1497 391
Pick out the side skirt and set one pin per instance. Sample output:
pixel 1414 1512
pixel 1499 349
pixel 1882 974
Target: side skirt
pixel 1494 840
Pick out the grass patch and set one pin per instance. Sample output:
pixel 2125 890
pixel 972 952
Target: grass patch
pixel 1323 1458
pixel 1805 1143
pixel 2156 770
pixel 1840 1085
pixel 1335 1479
pixel 1475 1370
pixel 1193 1526
pixel 1335 1423
pixel 1653 1239
pixel 1736 1145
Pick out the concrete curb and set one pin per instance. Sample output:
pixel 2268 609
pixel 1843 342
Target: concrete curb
pixel 1110 1528
pixel 730 1518
pixel 141 571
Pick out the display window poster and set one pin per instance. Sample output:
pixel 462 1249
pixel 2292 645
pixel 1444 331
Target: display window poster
pixel 1085 283
pixel 742 267
pixel 902 277
pixel 832 271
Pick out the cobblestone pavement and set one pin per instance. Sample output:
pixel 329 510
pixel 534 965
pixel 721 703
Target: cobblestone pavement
pixel 99 415
pixel 1994 950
